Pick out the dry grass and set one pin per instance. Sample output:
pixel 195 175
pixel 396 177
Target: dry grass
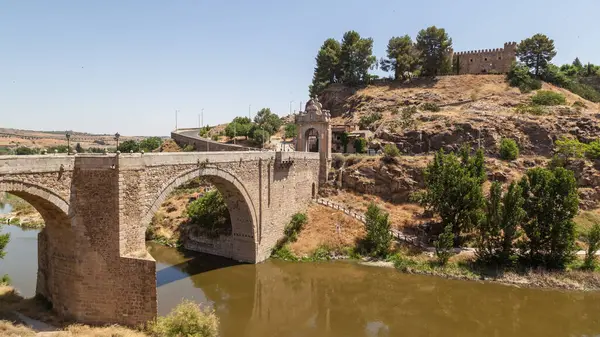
pixel 322 230
pixel 9 329
pixel 402 216
pixel 109 331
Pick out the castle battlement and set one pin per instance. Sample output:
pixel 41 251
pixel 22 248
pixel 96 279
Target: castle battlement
pixel 496 60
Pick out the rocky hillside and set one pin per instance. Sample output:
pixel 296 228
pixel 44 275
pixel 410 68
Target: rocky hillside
pixel 476 109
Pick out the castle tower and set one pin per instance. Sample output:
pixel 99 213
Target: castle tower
pixel 314 134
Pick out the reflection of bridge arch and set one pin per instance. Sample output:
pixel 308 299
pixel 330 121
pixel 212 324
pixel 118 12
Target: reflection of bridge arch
pixel 241 208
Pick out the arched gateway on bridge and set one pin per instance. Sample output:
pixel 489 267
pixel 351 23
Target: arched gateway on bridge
pixel 92 260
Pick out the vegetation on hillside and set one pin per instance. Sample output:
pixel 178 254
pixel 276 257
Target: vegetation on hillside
pixel 535 55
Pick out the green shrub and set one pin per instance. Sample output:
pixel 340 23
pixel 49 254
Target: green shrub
pixel 428 106
pixel 592 150
pixel 366 120
pixel 519 76
pixel 567 148
pixel 215 138
pixel 378 237
pixel 508 149
pixel 537 110
pixel 129 145
pixel 545 97
pixel 579 105
pixel 391 150
pixel 292 229
pixel 187 319
pixel 25 151
pixel 283 252
pixel 360 145
pixel 592 238
pixel 189 148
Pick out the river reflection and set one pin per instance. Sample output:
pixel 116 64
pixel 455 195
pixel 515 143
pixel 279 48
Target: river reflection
pixel 277 298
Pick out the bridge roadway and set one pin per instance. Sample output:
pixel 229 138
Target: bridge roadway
pixel 92 261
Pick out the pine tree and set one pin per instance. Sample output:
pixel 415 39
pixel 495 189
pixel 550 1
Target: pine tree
pixel 356 58
pixel 402 57
pixel 327 68
pixel 536 52
pixel 434 45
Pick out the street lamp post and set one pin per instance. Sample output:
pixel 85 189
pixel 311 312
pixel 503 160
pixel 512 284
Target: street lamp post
pixel 117 135
pixel 68 135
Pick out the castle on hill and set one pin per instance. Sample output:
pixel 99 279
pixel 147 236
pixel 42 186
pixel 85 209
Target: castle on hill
pixel 487 61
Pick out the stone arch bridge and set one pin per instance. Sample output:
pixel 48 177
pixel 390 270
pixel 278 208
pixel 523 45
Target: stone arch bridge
pixel 92 261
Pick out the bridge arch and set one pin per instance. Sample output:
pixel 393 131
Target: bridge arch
pixel 56 242
pixel 242 211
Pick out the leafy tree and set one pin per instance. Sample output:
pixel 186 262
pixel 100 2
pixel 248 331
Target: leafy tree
pixel 519 76
pixel 150 144
pixel 433 45
pixel 210 212
pixel 536 52
pixel 328 67
pixel 592 238
pixel 378 237
pixel 291 130
pixel 498 230
pixel 267 120
pixel 453 189
pixel 356 58
pixel 551 203
pixel 129 146
pixel 508 149
pixel 79 148
pixel 577 63
pixel 402 57
pixel 443 245
pixel 360 145
pixel 553 74
pixel 239 126
pixel 391 150
pixel 260 136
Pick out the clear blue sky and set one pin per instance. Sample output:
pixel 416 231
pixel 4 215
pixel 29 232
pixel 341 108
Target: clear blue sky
pixel 107 66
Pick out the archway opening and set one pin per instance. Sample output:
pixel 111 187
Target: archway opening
pixel 40 256
pixel 203 224
pixel 312 140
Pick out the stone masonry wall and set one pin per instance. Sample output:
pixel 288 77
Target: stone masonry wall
pixel 206 145
pixel 486 61
pixel 93 264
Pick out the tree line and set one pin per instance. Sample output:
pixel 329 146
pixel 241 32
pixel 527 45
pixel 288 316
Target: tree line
pixel 261 128
pixel 529 223
pixel 350 60
pixel 147 145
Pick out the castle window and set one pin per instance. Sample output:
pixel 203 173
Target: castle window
pixel 485 59
pixel 499 57
pixel 471 60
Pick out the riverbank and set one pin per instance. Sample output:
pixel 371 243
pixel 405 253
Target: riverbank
pixel 19 212
pixel 23 317
pixel 331 235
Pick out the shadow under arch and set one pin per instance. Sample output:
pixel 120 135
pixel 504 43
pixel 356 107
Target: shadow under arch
pixel 56 242
pixel 241 208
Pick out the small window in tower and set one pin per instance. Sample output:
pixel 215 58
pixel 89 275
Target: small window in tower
pixel 471 60
pixel 499 57
pixel 485 59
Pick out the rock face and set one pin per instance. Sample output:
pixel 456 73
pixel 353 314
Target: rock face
pixel 396 181
pixel 475 110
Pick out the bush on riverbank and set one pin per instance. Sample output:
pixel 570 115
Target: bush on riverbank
pixel 187 319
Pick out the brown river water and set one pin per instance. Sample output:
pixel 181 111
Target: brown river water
pixel 345 299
